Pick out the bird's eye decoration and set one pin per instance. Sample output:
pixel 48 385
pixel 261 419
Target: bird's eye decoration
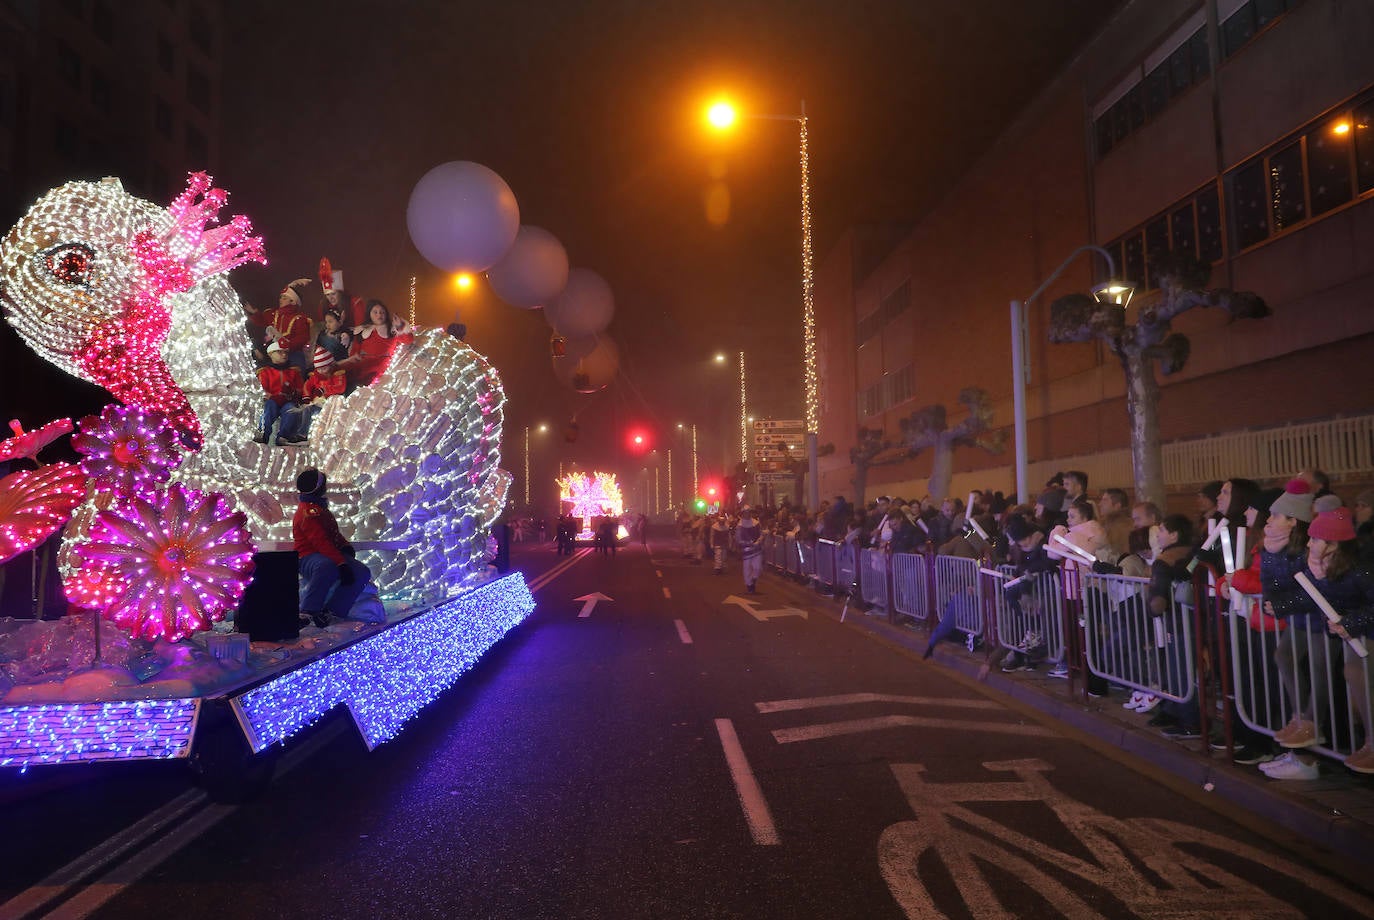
pixel 70 263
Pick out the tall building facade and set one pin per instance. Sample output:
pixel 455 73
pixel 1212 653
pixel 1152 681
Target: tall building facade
pixel 1238 131
pixel 95 88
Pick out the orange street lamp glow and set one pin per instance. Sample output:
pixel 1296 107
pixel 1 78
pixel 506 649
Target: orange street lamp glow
pixel 721 115
pixel 463 281
pixel 1341 127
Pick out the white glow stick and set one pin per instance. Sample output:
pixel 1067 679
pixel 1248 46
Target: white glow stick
pixel 919 523
pixel 1078 551
pixel 1058 554
pixel 1326 608
pixel 1213 531
pixel 1017 580
pixel 1242 560
pixel 968 508
pixel 1226 549
pixel 993 572
pixel 981 532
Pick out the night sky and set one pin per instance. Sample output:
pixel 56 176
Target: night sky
pixel 592 112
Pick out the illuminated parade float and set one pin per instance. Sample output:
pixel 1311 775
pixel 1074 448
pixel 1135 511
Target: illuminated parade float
pixel 174 514
pixel 589 497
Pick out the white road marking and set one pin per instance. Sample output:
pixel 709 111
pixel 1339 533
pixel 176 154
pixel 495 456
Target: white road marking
pixel 95 895
pixel 101 855
pixel 666 592
pixel 847 699
pixel 854 726
pixel 756 813
pixel 591 601
pixel 557 570
pixel 682 632
pixel 765 615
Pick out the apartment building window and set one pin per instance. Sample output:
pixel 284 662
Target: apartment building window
pixel 1211 244
pixel 1328 163
pixel 200 30
pixel 162 118
pixel 102 97
pixel 197 147
pixel 1183 229
pixel 901 386
pixel 1160 79
pixel 868 402
pixel 102 21
pixel 198 89
pixel 68 65
pixel 891 307
pixel 1287 204
pixel 1246 21
pixel 1246 196
pixel 66 140
pixel 166 55
pixel 1362 124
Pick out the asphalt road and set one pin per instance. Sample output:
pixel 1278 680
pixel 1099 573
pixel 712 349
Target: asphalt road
pixel 674 755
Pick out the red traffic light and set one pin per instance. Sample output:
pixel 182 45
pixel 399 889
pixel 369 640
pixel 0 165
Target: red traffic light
pixel 638 440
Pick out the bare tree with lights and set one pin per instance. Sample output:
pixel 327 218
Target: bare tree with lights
pixel 1138 345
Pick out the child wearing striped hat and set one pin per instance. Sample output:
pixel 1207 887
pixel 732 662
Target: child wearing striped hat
pixel 326 380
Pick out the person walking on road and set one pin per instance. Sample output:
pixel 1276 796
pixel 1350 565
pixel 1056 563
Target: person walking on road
pixel 747 535
pixel 720 542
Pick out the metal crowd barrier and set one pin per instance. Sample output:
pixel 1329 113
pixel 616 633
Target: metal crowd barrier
pixel 959 593
pixel 846 567
pixel 1035 624
pixel 806 560
pixel 911 586
pixel 873 577
pixel 825 563
pixel 791 559
pixel 1128 644
pixel 1265 678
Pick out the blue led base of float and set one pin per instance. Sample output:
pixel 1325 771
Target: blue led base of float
pixel 386 679
pixel 53 733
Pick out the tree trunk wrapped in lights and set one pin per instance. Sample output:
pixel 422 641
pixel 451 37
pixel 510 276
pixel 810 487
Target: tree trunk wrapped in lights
pixel 1138 345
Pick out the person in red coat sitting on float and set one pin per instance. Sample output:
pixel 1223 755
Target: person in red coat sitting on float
pixel 283 386
pixel 327 380
pixel 373 343
pixel 331 576
pixel 286 325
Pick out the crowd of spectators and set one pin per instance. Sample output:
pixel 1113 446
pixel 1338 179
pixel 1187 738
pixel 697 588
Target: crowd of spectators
pixel 1301 526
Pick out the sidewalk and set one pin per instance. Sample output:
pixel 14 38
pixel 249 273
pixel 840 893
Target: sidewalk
pixel 1334 812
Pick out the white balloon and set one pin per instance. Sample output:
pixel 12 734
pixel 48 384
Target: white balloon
pixel 462 216
pixel 584 307
pixel 598 369
pixel 533 270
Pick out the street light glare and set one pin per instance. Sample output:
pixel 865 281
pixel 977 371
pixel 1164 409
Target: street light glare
pixel 543 428
pixel 720 358
pixel 721 115
pixel 463 280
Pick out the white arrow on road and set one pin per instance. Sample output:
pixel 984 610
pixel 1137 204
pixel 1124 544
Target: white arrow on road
pixel 591 600
pixel 763 615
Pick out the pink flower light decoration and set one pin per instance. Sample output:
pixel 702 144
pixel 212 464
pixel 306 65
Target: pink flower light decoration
pixel 180 559
pixel 127 449
pixel 34 504
pixel 27 444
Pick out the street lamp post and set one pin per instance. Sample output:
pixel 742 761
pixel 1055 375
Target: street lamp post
pixel 542 429
pixel 1112 291
pixel 722 116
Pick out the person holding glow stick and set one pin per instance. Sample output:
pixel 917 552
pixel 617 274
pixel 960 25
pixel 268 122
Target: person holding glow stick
pixel 1334 571
pixel 1172 545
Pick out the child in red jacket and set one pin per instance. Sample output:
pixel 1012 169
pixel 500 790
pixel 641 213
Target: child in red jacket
pixel 282 384
pixel 325 381
pixel 331 578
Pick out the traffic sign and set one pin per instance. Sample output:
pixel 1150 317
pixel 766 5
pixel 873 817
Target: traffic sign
pixel 786 424
pixel 774 478
pixel 769 466
pixel 770 453
pixel 778 438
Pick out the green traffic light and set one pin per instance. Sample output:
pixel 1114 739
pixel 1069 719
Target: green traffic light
pixel 701 504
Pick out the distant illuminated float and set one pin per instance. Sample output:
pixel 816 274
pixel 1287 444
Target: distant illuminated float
pixel 594 496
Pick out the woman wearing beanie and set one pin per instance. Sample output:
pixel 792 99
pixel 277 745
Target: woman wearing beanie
pixel 1334 569
pixel 331 577
pixel 1298 652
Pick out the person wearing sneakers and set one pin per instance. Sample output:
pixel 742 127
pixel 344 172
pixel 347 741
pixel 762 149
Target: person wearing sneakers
pixel 326 380
pixel 1332 566
pixel 1283 550
pixel 331 576
pixel 281 385
pixel 747 535
pixel 1172 546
